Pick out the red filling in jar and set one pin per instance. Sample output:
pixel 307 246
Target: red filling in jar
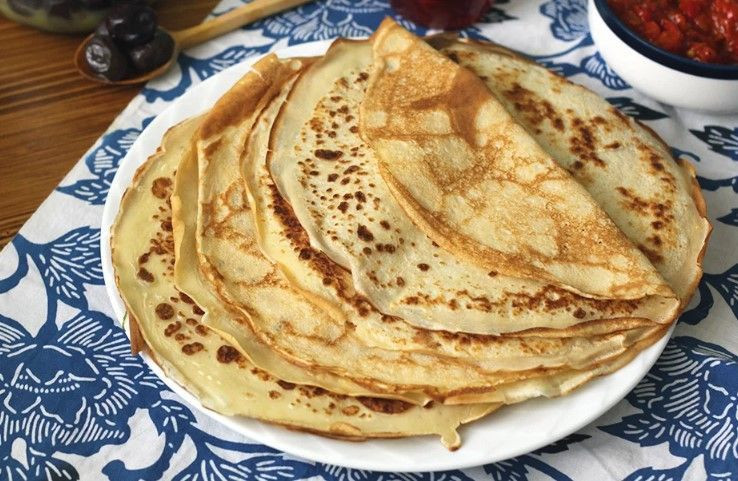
pixel 442 14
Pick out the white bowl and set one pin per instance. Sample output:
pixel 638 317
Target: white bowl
pixel 662 75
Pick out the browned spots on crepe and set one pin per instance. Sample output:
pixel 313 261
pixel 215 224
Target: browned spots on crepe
pixel 227 354
pixel 145 275
pixel 326 154
pixel 185 298
pixel 161 187
pixel 172 328
pixel 656 166
pixel 652 254
pixel 657 209
pixel 384 406
pixel 350 410
pixel 164 311
pixel 584 143
pixel 535 109
pixel 288 386
pixel 364 233
pixel 192 348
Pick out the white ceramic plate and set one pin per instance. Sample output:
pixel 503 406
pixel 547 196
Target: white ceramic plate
pixel 510 432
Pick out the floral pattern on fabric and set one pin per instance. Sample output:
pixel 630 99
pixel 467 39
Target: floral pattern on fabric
pixel 74 403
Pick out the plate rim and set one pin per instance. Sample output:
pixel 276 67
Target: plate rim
pixel 620 382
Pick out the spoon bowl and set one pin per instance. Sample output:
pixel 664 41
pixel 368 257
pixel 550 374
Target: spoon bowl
pixel 81 64
pixel 255 10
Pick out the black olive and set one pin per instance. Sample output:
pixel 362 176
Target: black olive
pixel 102 30
pixel 131 24
pixel 62 8
pixel 95 4
pixel 154 54
pixel 105 59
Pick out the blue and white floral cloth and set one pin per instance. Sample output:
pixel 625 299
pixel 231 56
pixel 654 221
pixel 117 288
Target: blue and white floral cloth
pixel 75 405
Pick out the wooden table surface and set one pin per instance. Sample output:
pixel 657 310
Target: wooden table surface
pixel 49 115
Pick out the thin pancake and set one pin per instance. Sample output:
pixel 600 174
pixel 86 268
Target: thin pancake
pixel 624 165
pixel 556 384
pixel 231 324
pixel 477 184
pixel 332 183
pixel 205 363
pixel 283 240
pixel 407 359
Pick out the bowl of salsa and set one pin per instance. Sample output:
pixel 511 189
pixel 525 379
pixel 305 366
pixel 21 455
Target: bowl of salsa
pixel 680 52
pixel 702 30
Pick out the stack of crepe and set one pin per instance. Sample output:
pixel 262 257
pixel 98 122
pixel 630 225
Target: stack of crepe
pixel 403 236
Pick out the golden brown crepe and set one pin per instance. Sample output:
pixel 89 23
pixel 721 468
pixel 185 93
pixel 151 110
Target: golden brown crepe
pixel 383 354
pixel 624 165
pixel 231 324
pixel 478 185
pixel 384 242
pixel 170 326
pixel 331 181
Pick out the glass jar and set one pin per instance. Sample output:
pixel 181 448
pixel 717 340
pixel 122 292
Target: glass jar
pixel 442 14
pixel 63 16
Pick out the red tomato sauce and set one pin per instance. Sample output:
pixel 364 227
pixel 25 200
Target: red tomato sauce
pixel 703 30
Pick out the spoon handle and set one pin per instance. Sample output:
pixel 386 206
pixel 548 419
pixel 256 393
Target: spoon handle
pixel 237 17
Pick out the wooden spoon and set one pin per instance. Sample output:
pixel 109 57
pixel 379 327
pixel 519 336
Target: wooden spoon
pixel 189 37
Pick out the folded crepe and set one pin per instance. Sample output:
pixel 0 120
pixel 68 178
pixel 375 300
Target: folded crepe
pixel 653 199
pixel 239 222
pixel 168 325
pixel 331 181
pixel 231 324
pixel 480 186
pixel 279 260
